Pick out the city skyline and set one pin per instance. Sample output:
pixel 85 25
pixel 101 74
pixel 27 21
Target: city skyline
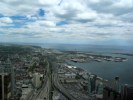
pixel 66 21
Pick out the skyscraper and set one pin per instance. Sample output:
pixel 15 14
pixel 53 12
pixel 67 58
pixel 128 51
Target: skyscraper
pixel 6 81
pixel 5 86
pixel 127 93
pixel 109 94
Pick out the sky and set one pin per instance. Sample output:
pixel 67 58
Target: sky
pixel 67 21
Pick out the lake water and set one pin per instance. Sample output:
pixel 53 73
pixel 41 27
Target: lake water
pixel 107 70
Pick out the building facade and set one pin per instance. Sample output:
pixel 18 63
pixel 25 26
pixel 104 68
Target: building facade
pixel 5 87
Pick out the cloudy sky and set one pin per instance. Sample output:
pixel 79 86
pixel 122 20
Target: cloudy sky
pixel 67 21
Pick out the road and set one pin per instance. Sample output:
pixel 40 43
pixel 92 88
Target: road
pixel 36 95
pixel 58 86
pixel 52 81
pixel 44 92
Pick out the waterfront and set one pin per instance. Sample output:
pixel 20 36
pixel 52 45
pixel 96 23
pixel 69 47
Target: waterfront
pixel 109 70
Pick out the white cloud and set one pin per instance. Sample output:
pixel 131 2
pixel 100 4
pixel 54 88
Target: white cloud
pixel 87 19
pixel 86 16
pixel 6 20
pixel 41 23
pixel 49 2
pixel 124 3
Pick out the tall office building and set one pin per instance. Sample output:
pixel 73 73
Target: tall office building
pixel 127 92
pixel 92 84
pixel 109 94
pixel 5 87
pixel 116 84
pixel 7 82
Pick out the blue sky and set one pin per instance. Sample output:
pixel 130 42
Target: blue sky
pixel 67 21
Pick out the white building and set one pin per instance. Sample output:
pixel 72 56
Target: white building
pixel 26 92
pixel 70 75
pixel 84 74
pixel 37 80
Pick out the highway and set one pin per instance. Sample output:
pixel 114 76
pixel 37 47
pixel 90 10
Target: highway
pixel 51 81
pixel 44 92
pixel 36 95
pixel 58 86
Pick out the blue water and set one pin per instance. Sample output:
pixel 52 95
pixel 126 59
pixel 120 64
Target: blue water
pixel 109 70
pixel 90 48
pixel 106 70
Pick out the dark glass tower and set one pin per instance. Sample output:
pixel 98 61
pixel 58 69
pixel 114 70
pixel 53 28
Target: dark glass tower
pixel 5 87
